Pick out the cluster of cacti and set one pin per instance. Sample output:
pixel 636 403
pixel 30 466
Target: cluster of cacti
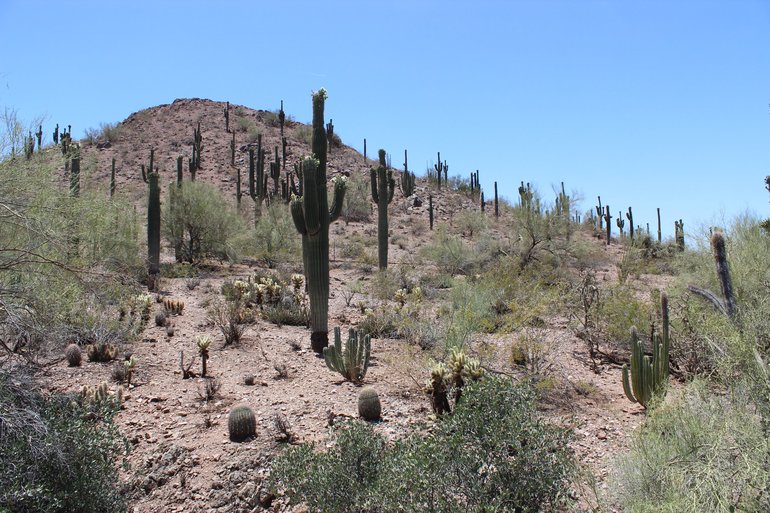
pixel 203 344
pixel 526 197
pixel 312 217
pixel 407 181
pixel 727 305
pixel 679 234
pixel 563 202
pixel 369 407
pixel 383 187
pixel 95 394
pixel 648 376
pixel 74 355
pixel 241 424
pixel 173 306
pixel 353 361
pixel 451 376
pixel 65 139
pixel 101 352
pixel 257 179
pixel 197 148
pixel 474 182
pixel 153 230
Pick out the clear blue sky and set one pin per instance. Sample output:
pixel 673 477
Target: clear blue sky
pixel 648 103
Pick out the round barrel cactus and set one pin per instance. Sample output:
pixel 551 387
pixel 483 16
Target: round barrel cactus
pixel 241 423
pixel 74 355
pixel 369 407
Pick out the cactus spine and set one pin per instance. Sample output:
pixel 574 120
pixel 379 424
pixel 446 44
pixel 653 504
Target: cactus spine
pixel 648 376
pixel 353 361
pixel 383 186
pixel 312 217
pixel 153 231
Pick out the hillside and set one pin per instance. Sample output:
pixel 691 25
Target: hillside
pixel 463 282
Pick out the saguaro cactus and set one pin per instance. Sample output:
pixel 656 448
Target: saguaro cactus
pixel 497 205
pixel 312 217
pixel 75 176
pixel 599 212
pixel 407 179
pixel 153 231
pixel 630 217
pixel 430 210
pixel 112 179
pixel 648 375
pixel 439 167
pixel 607 218
pixel 383 186
pixel 659 234
pixel 679 234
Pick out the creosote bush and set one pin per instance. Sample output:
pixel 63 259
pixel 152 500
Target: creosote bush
pixel 492 454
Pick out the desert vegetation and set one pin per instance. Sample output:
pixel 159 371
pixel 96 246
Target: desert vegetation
pixel 165 342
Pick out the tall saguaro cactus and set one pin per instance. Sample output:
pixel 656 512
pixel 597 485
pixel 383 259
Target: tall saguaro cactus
pixel 312 216
pixel 383 186
pixel 153 230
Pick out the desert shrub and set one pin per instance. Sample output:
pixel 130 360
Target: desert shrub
pixel 492 454
pixel 449 253
pixel 199 223
pixel 304 133
pixel 618 310
pixel 291 310
pixel 357 206
pixel 275 237
pixel 228 317
pixel 471 223
pixel 698 453
pixel 380 322
pixel 57 453
pixel 107 132
pixel 50 238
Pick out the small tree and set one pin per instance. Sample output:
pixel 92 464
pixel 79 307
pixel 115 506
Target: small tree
pixel 200 223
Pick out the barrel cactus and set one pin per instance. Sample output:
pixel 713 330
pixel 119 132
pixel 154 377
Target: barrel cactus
pixel 369 407
pixel 74 355
pixel 241 423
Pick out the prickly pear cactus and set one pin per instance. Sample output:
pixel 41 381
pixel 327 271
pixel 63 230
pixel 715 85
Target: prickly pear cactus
pixel 369 407
pixel 241 424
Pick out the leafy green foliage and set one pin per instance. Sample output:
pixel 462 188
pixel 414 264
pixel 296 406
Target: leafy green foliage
pixel 57 453
pixel 274 240
pixel 492 454
pixel 199 223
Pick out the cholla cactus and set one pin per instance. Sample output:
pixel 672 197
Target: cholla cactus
pixel 240 287
pixel 203 344
pixel 130 365
pixel 437 389
pixel 297 280
pixel 400 297
pixel 417 294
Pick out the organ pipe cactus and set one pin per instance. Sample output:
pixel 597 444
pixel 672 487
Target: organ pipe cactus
pixel 353 362
pixel 312 216
pixel 383 186
pixel 648 376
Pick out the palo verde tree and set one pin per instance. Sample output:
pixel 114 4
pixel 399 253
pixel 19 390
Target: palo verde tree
pixel 312 217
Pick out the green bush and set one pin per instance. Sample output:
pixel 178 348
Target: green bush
pixel 57 453
pixel 199 223
pixel 357 206
pixel 701 453
pixel 275 239
pixel 492 454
